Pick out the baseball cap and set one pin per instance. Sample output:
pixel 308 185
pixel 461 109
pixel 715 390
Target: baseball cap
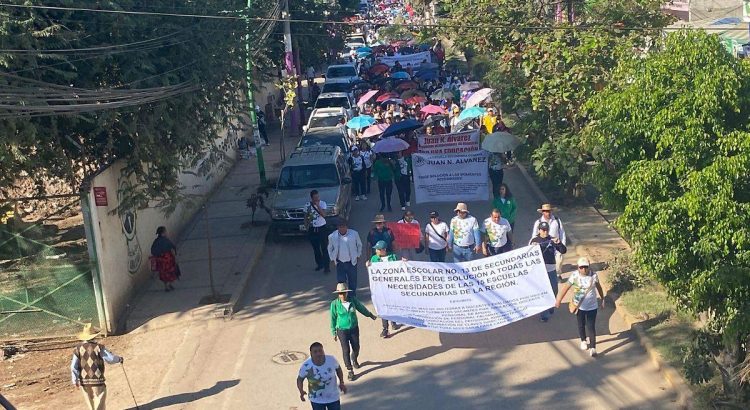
pixel 544 226
pixel 434 214
pixel 380 245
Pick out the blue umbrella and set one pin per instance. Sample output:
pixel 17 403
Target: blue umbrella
pixel 403 75
pixel 362 50
pixel 363 55
pixel 360 122
pixel 472 112
pixel 402 127
pixel 427 75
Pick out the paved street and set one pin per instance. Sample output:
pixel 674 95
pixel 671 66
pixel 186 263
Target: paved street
pixel 528 364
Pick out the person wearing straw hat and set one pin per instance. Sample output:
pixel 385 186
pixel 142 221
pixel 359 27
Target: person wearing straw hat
pixel 380 232
pixel 555 230
pixel 344 325
pixel 87 368
pixel 584 281
pixel 550 246
pixel 464 237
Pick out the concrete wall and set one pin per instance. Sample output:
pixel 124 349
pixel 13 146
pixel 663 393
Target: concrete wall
pixel 123 242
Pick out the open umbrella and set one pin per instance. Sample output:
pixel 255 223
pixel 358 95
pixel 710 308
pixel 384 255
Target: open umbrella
pixel 427 66
pixel 401 75
pixel 471 85
pixel 364 50
pixel 392 101
pixel 360 122
pixel 379 69
pixel 386 96
pixel 374 130
pixel 406 85
pixel 390 145
pixel 460 125
pixel 471 112
pixel 432 119
pixel 442 94
pixel 478 97
pixel 402 127
pixel 362 86
pixel 363 55
pixel 365 98
pixel 411 93
pixel 417 99
pixel 426 75
pixel 500 142
pixel 432 109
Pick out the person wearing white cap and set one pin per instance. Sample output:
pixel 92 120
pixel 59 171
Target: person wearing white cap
pixel 463 236
pixel 344 325
pixel 584 303
pixel 87 368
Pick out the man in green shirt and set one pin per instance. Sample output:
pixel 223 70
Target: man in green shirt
pixel 382 255
pixel 384 171
pixel 344 326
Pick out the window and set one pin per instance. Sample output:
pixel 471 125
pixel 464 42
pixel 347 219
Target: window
pixel 333 102
pixel 319 122
pixel 334 141
pixel 336 88
pixel 308 176
pixel 336 72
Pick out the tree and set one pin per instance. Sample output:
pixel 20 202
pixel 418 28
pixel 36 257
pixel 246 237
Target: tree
pixel 106 54
pixel 671 139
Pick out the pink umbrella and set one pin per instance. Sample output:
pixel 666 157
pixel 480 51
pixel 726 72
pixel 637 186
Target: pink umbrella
pixel 433 109
pixel 374 130
pixel 391 144
pixel 386 96
pixel 365 98
pixel 478 97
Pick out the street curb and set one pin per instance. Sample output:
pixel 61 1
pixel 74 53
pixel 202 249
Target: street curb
pixel 669 373
pixel 247 273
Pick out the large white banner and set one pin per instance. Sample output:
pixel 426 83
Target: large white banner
pixel 466 297
pixel 415 59
pixel 450 177
pixel 454 143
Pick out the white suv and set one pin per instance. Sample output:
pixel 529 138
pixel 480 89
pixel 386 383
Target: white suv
pixel 342 71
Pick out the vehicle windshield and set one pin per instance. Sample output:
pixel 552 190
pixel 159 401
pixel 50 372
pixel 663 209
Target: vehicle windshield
pixel 332 102
pixel 334 141
pixel 318 122
pixel 336 72
pixel 308 176
pixel 336 88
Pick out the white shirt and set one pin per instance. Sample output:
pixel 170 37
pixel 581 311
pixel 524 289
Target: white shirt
pixel 318 219
pixel 497 233
pixel 403 166
pixel 367 156
pixel 555 228
pixel 581 284
pixel 436 240
pixel 463 230
pixel 310 72
pixel 344 248
pixel 358 163
pixel 322 386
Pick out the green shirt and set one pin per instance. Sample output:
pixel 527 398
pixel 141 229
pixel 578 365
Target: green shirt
pixel 507 209
pixel 383 170
pixel 389 258
pixel 345 319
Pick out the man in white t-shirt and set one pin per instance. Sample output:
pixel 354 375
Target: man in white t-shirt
pixel 463 236
pixel 497 234
pixel 321 371
pixel 317 231
pixel 436 237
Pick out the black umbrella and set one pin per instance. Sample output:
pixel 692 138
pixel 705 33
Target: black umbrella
pixel 462 124
pixel 402 127
pixel 432 119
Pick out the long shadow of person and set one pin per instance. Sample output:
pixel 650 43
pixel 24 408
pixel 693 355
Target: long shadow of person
pixel 188 397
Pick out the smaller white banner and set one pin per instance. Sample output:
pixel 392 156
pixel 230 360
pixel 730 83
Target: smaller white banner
pixel 450 177
pixel 455 143
pixel 415 59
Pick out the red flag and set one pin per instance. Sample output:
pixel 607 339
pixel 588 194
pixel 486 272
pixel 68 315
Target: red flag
pixel 406 235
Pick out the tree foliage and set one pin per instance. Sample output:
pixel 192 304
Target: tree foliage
pixel 314 40
pixel 671 138
pixel 109 51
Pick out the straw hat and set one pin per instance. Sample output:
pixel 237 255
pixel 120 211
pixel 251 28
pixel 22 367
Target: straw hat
pixel 583 261
pixel 546 207
pixel 461 207
pixel 379 218
pixel 341 288
pixel 87 333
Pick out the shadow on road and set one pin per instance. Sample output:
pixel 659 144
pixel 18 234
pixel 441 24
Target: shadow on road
pixel 188 397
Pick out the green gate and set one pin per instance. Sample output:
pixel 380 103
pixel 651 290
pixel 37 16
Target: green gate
pixel 46 286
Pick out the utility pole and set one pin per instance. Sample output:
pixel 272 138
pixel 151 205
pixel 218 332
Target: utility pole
pixel 289 60
pixel 251 99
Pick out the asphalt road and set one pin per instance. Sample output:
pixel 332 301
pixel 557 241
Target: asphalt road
pixel 528 364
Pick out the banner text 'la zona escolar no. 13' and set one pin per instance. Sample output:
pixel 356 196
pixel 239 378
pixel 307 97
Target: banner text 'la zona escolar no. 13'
pixel 466 297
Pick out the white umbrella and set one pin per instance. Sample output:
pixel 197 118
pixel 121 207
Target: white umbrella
pixel 500 142
pixel 478 97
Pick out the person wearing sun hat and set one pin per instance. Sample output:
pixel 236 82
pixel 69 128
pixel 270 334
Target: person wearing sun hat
pixel 464 237
pixel 584 281
pixel 344 325
pixel 556 230
pixel 87 368
pixel 380 232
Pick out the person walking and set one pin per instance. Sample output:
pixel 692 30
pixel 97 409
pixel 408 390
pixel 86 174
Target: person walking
pixel 463 236
pixel 344 325
pixel 87 368
pixel 367 156
pixel 403 182
pixel 549 245
pixel 496 164
pixel 436 237
pixel 385 173
pixel 261 119
pixel 497 234
pixel 380 232
pixel 321 370
pixel 344 250
pixel 164 254
pixel 382 254
pixel 411 253
pixel 317 233
pixel 555 230
pixel 506 203
pixel 357 165
pixel 583 281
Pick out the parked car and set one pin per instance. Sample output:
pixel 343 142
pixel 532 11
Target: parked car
pixel 332 136
pixel 337 85
pixel 338 100
pixel 326 117
pixel 346 72
pixel 322 168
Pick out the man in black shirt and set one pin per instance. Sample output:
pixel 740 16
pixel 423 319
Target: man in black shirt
pixel 548 245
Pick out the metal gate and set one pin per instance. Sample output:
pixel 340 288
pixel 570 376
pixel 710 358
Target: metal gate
pixel 46 286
